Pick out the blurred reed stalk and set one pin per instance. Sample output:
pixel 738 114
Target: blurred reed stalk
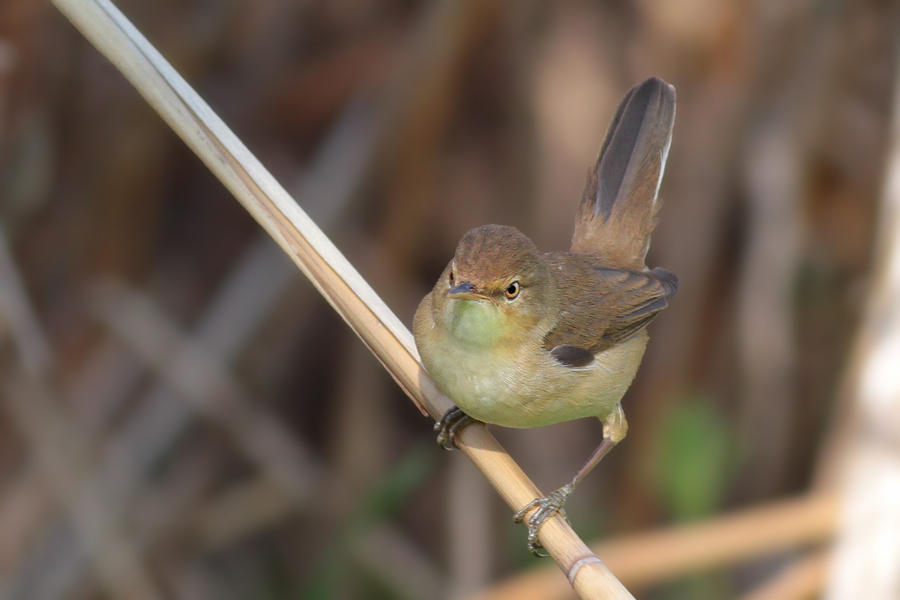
pixel 867 552
pixel 62 450
pixel 391 342
pixel 801 579
pixel 648 558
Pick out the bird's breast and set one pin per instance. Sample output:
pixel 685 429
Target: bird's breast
pixel 518 383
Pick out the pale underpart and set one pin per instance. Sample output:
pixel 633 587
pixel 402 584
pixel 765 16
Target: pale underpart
pixel 499 373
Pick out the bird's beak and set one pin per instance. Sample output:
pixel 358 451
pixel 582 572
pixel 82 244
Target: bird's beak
pixel 466 291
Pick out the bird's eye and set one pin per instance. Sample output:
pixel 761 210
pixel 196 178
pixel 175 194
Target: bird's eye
pixel 513 290
pixel 451 278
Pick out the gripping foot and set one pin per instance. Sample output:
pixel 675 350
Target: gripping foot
pixel 546 508
pixel 453 421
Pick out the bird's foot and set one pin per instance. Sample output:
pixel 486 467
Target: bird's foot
pixel 453 421
pixel 546 508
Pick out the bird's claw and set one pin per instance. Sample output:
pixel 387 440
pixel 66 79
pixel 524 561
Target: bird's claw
pixel 449 425
pixel 546 508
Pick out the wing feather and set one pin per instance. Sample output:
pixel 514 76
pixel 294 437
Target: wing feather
pixel 602 307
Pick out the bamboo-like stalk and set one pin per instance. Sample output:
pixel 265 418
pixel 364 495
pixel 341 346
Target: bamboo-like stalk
pixel 192 119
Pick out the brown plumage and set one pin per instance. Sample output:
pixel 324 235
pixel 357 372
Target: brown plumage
pixel 601 307
pixel 491 254
pixel 620 204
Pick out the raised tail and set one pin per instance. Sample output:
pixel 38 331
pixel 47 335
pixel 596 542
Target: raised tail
pixel 620 203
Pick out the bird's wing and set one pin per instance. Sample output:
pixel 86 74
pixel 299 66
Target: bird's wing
pixel 602 307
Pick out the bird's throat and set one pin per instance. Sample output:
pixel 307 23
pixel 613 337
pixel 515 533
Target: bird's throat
pixel 479 324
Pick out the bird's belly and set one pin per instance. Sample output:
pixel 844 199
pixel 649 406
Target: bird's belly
pixel 530 389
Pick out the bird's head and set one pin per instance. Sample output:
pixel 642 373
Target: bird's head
pixel 496 287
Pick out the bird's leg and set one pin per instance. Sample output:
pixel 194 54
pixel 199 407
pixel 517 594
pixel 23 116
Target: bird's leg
pixel 453 421
pixel 614 429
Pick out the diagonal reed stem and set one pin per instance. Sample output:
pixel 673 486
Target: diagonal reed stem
pixel 335 278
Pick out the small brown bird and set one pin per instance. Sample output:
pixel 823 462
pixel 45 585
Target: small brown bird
pixel 521 338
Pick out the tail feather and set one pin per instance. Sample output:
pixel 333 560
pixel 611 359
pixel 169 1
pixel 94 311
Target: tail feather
pixel 620 202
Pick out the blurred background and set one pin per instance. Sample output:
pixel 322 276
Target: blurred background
pixel 184 417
